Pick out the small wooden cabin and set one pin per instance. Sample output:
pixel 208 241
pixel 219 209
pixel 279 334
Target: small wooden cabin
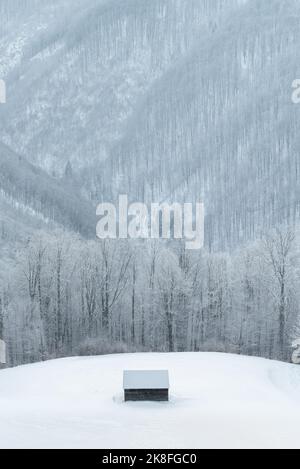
pixel 146 385
pixel 2 354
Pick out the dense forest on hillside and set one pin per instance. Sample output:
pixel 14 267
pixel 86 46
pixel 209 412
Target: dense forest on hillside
pixel 76 297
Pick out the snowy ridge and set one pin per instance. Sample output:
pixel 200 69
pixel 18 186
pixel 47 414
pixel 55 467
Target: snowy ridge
pixel 33 192
pixel 25 209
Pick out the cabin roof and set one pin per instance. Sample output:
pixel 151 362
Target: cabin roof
pixel 146 379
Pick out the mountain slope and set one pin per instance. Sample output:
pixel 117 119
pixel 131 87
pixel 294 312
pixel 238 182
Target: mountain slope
pixel 76 80
pixel 30 198
pixel 162 100
pixel 221 127
pixel 217 401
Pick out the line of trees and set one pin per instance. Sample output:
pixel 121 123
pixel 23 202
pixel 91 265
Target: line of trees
pixel 66 296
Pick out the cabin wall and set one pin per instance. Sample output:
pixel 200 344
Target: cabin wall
pixel 146 395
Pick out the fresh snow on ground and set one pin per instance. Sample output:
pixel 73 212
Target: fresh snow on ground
pixel 217 400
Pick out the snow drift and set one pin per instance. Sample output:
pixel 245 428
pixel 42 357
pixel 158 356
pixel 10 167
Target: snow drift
pixel 217 401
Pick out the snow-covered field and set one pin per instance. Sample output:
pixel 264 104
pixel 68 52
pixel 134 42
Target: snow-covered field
pixel 217 401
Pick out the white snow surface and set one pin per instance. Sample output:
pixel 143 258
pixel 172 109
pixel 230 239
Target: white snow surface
pixel 217 401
